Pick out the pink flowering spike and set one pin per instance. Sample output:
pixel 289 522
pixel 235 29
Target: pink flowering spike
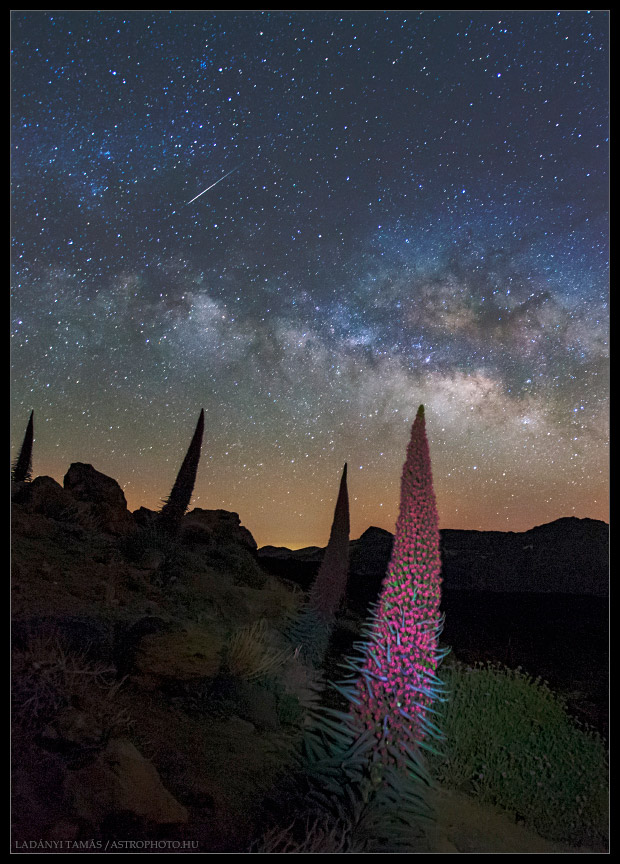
pixel 406 623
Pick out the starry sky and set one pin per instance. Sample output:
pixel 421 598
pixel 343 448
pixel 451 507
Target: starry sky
pixel 416 211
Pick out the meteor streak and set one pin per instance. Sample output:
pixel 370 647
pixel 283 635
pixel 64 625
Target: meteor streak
pixel 214 184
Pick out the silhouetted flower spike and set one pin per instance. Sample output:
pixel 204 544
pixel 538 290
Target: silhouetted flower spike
pixel 181 494
pixel 22 469
pixel 327 592
pixel 314 625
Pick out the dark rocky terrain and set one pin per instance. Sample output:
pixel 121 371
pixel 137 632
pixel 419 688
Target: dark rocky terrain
pixel 153 694
pixel 141 703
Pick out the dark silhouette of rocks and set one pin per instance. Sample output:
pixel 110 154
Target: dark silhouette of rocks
pixel 567 556
pixel 145 518
pixel 107 506
pixel 47 497
pixel 208 527
pixel 212 526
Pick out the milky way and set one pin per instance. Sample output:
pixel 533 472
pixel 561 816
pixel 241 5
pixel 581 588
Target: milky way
pixel 418 215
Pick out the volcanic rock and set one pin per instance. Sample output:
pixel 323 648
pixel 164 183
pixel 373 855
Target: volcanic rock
pixel 47 497
pixel 107 504
pixel 207 526
pixel 178 655
pixel 122 781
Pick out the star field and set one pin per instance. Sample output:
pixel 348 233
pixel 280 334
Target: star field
pixel 416 213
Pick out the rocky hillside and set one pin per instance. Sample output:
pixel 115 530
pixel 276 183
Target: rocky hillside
pixel 154 695
pixel 567 556
pixel 150 688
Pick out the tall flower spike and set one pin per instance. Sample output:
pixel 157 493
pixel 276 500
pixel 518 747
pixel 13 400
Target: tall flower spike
pixel 22 469
pixel 397 681
pixel 327 592
pixel 316 620
pixel 178 501
pixel 371 758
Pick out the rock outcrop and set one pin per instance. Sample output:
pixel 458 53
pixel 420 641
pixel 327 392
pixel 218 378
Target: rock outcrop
pixel 182 655
pixel 121 781
pixel 214 526
pixel 46 497
pixel 106 506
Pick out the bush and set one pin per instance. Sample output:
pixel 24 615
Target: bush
pixel 47 678
pixel 510 741
pixel 249 655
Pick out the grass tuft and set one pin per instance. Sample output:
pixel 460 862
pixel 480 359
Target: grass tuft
pixel 249 654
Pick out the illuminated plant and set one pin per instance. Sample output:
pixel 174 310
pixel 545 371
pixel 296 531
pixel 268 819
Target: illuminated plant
pixel 315 623
pixel 22 469
pixel 398 683
pixel 394 683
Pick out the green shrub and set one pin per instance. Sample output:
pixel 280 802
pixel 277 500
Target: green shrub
pixel 510 741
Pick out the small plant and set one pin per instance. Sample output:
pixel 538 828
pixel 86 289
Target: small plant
pixel 319 835
pixel 22 469
pixel 511 742
pixel 47 678
pixel 249 655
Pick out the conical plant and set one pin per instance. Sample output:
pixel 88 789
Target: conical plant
pixel 327 592
pixel 313 628
pixel 22 468
pixel 178 501
pixel 398 675
pixel 378 745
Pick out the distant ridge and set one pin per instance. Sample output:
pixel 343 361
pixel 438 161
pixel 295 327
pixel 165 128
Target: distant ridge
pixel 566 556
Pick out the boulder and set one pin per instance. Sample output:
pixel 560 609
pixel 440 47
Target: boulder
pixel 145 518
pixel 122 781
pixel 107 506
pixel 47 497
pixel 207 526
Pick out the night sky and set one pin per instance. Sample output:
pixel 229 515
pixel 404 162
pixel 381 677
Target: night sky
pixel 417 213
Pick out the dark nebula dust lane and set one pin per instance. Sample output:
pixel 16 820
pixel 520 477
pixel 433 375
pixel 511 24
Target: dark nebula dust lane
pixel 309 223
